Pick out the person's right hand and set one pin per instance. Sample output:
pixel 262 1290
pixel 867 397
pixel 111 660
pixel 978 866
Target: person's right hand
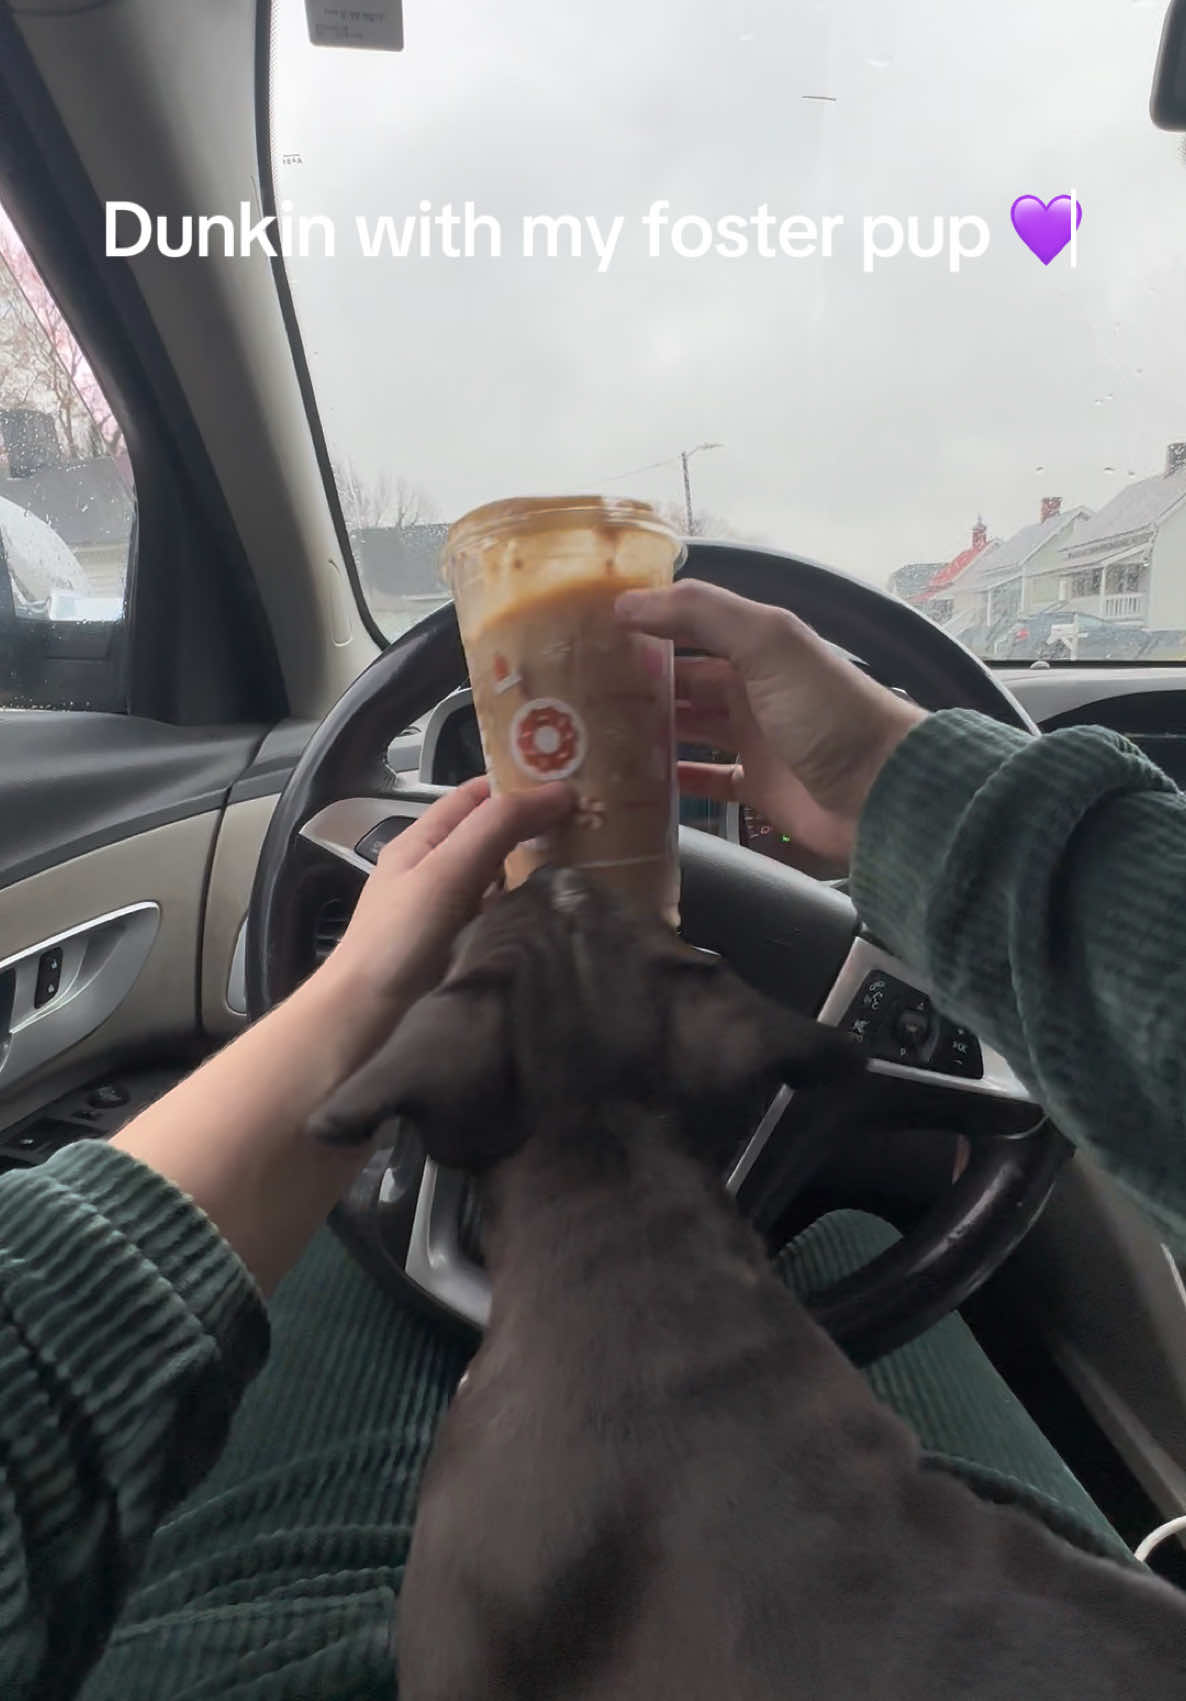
pixel 809 729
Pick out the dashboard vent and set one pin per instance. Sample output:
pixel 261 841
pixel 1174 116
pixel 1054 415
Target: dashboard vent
pixel 328 927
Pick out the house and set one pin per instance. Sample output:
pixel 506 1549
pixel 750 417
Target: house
pixel 1128 561
pixel 937 599
pixel 1013 576
pixel 400 568
pixel 910 581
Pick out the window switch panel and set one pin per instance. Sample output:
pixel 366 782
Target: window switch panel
pixel 49 976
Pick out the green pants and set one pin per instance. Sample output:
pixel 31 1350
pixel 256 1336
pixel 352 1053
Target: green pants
pixel 278 1579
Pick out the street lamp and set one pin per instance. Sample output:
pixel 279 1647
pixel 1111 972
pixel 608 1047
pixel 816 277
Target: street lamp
pixel 685 456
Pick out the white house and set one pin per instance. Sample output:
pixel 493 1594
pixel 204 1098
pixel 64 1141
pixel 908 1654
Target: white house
pixel 1128 561
pixel 1012 577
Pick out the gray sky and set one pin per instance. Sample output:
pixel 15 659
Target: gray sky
pixel 865 418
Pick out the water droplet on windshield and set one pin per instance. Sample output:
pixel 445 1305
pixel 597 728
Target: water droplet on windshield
pixel 1039 469
pixel 1109 469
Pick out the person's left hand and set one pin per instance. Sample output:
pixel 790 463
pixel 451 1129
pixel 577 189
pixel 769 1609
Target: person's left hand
pixel 427 884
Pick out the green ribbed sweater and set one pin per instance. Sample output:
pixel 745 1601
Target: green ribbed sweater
pixel 1036 882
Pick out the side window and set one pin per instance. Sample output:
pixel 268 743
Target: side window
pixel 67 505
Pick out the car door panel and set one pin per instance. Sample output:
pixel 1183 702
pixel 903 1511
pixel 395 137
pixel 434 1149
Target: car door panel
pixel 110 832
pixel 165 866
pixel 240 835
pixel 71 781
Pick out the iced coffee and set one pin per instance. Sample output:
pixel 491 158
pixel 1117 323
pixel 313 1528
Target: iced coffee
pixel 562 692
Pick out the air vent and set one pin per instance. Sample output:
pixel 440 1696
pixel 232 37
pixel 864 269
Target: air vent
pixel 329 927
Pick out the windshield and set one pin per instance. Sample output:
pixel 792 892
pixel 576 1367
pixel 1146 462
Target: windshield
pixel 806 276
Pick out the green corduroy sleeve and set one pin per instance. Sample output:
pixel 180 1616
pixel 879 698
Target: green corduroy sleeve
pixel 128 1331
pixel 1040 886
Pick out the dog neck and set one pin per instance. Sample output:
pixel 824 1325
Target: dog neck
pixel 610 1231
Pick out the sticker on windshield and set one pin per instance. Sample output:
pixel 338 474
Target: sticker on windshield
pixel 380 24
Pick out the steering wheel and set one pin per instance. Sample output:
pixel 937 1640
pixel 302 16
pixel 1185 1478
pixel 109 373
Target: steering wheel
pixel 797 939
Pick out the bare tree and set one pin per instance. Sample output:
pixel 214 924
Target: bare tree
pixel 394 503
pixel 704 523
pixel 41 363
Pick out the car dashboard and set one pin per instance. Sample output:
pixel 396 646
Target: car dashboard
pixel 1146 704
pixel 451 752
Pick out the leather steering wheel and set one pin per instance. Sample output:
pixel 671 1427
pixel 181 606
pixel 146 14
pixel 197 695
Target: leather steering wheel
pixel 793 937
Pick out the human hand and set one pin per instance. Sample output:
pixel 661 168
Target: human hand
pixel 233 1134
pixel 810 730
pixel 427 884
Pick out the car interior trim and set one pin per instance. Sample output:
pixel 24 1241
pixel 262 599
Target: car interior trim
pixel 430 738
pixel 756 1144
pixel 341 826
pixel 865 958
pixel 95 965
pixel 304 378
pixel 185 660
pixel 435 1261
pixel 72 782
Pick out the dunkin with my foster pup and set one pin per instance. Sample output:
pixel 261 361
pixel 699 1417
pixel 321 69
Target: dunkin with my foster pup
pixel 661 1481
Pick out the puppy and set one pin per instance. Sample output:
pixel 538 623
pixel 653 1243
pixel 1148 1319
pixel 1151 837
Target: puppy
pixel 661 1481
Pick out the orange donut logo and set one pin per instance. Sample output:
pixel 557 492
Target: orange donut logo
pixel 548 739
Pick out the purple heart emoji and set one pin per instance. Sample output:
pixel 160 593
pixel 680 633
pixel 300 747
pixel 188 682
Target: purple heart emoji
pixel 1045 226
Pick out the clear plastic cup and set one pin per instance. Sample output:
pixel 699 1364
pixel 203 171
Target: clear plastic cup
pixel 562 692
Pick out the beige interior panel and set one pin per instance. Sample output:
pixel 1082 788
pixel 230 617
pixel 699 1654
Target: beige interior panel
pixel 235 856
pixel 166 865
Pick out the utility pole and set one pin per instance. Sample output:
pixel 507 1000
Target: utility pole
pixel 685 456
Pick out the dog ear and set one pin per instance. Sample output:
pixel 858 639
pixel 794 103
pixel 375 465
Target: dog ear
pixel 447 1070
pixel 724 1036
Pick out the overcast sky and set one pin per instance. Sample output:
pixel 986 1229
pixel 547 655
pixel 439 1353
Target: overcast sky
pixel 865 418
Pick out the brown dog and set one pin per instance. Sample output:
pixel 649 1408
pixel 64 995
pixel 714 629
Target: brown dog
pixel 661 1479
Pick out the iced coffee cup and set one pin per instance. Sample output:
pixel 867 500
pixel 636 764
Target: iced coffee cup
pixel 562 692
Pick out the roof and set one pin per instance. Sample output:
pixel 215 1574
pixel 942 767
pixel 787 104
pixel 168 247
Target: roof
pixel 950 572
pixel 1131 554
pixel 1134 509
pixel 1008 556
pixel 402 560
pixel 908 581
pixel 86 503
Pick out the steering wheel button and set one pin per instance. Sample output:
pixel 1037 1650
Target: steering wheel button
pixel 913 1028
pixel 958 1053
pixel 373 842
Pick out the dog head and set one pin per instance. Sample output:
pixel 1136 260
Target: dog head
pixel 559 995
